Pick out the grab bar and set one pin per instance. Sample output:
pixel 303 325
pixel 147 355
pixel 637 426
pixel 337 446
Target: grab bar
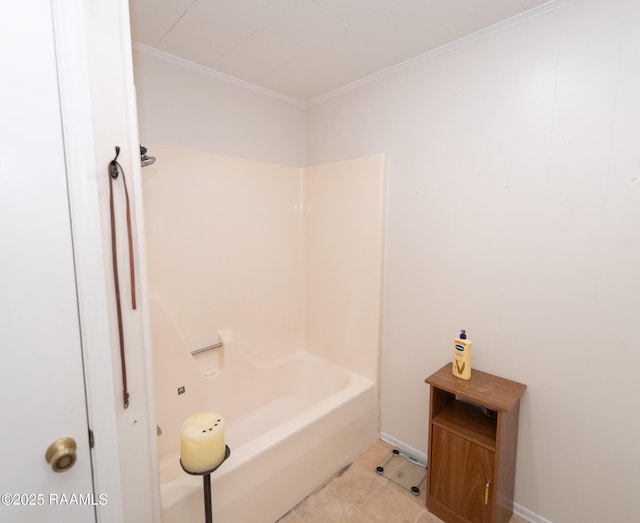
pixel 205 349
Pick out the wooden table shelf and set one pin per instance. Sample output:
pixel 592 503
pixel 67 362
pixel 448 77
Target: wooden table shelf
pixel 468 421
pixel 473 431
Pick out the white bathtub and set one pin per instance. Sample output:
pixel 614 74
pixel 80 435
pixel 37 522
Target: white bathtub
pixel 290 425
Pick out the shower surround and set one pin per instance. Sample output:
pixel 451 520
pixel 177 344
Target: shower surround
pixel 284 266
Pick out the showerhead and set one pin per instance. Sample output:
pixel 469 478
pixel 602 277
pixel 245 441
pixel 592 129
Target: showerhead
pixel 145 159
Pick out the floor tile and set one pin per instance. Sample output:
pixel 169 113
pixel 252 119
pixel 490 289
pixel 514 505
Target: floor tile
pixel 358 517
pixel 356 484
pixel 427 517
pixel 357 494
pixel 387 505
pixel 420 499
pixel 325 506
pixel 290 517
pixel 372 457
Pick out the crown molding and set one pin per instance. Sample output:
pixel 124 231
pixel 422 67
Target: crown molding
pixel 407 64
pixel 168 57
pixel 450 46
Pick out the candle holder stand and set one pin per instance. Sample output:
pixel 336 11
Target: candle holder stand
pixel 206 479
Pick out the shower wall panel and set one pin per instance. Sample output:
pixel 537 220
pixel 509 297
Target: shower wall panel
pixel 344 229
pixel 225 248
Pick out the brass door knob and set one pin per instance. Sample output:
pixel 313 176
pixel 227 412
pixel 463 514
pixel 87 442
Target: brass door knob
pixel 61 454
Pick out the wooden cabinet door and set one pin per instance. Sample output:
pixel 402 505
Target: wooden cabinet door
pixel 460 471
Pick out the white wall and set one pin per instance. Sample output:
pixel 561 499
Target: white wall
pixel 513 212
pixel 184 107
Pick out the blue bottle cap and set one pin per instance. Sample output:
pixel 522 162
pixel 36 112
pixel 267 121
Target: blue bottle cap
pixel 463 335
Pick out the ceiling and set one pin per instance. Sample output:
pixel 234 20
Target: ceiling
pixel 304 49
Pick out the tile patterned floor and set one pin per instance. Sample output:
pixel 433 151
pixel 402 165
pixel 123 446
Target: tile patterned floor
pixel 358 495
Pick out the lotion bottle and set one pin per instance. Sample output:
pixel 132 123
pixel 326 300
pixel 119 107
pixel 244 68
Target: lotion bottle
pixel 462 357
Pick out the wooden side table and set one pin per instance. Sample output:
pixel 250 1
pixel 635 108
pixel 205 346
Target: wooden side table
pixel 473 432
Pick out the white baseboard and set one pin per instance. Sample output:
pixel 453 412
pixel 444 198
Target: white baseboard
pixel 518 510
pixel 420 456
pixel 527 514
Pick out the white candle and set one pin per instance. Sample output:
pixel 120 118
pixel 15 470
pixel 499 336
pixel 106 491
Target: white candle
pixel 202 446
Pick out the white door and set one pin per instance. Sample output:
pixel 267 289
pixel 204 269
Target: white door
pixel 41 372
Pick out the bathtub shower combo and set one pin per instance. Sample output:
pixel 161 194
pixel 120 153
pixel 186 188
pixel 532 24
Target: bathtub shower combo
pixel 307 419
pixel 293 417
